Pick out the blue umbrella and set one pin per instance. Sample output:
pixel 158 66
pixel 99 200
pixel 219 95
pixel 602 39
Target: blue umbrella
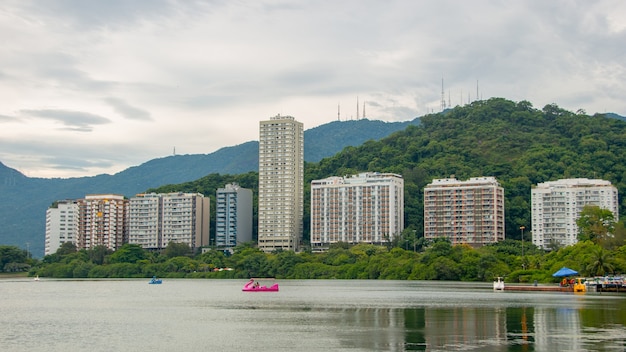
pixel 565 272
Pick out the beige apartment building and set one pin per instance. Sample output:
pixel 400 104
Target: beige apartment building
pixel 363 208
pixel 185 219
pixel 281 182
pixel 469 212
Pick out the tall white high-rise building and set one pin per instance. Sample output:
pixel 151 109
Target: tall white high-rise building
pixel 61 225
pixel 102 221
pixel 556 205
pixel 364 208
pixel 233 215
pixel 466 212
pixel 281 183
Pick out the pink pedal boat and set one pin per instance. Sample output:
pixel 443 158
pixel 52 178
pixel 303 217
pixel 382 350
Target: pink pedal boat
pixel 253 286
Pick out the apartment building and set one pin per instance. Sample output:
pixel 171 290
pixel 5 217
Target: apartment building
pixel 466 212
pixel 363 208
pixel 144 221
pixel 185 218
pixel 556 205
pixel 233 215
pixel 281 183
pixel 102 221
pixel 62 220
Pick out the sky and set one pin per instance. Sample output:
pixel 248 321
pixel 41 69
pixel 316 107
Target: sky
pixel 90 87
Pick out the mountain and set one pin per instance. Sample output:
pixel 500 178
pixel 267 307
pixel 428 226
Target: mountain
pixel 24 200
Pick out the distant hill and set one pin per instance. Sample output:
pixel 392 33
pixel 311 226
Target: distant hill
pixel 615 116
pixel 24 200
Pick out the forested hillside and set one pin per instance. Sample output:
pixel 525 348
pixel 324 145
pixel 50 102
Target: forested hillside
pixel 518 144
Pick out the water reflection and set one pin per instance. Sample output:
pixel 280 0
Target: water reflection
pixel 305 316
pixel 476 328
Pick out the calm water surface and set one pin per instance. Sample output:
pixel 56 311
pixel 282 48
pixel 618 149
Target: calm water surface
pixel 307 315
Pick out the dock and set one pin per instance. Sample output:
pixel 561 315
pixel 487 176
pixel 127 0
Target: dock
pixel 538 288
pixel 546 288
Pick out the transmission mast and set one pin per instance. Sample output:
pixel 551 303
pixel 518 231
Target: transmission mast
pixel 364 110
pixel 443 97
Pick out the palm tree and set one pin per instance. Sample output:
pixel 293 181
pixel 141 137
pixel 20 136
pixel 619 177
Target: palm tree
pixel 600 263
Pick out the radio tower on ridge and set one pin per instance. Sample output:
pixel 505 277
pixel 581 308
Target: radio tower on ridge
pixel 443 97
pixel 364 110
pixel 477 96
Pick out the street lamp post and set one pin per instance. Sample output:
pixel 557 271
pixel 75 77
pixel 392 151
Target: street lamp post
pixel 522 229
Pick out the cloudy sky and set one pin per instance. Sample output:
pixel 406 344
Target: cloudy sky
pixel 90 86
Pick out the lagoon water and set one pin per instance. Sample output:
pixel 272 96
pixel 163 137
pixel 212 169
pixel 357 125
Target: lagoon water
pixel 306 315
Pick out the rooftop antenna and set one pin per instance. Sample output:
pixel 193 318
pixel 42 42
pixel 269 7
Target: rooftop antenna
pixel 443 97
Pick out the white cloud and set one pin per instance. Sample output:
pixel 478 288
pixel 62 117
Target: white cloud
pixel 126 110
pixel 72 120
pixel 145 76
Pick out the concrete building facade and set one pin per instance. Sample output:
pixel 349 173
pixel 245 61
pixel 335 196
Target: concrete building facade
pixel 364 208
pixel 466 212
pixel 556 205
pixel 281 183
pixel 62 220
pixel 185 218
pixel 233 215
pixel 144 221
pixel 102 221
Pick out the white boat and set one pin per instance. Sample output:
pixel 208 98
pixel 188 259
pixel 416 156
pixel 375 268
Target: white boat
pixel 498 285
pixel 36 278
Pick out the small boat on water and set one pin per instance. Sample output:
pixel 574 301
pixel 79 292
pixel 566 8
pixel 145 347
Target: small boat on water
pixel 155 281
pixel 36 278
pixel 254 286
pixel 498 285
